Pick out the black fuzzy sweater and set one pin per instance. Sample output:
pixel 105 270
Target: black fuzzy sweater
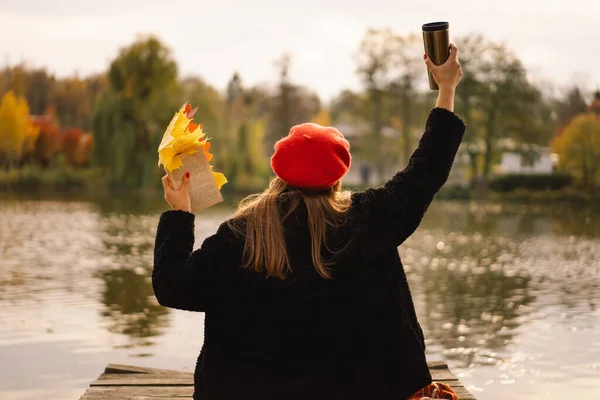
pixel 355 336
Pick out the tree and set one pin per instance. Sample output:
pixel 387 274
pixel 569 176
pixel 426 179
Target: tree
pixel 77 147
pixel 507 102
pixel 49 141
pixel 470 92
pixel 408 68
pixel 282 120
pixel 71 98
pixel 349 106
pixel 17 133
pixel 71 139
pixel 578 148
pixel 595 106
pixel 376 58
pixel 130 118
pixel 39 86
pixel 572 104
pixel 290 105
pixel 84 150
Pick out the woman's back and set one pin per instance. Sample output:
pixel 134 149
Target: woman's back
pixel 303 289
pixel 352 336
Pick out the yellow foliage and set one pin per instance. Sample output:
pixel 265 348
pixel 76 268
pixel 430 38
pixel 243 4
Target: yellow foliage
pixel 184 137
pixel 17 133
pixel 578 148
pixel 322 118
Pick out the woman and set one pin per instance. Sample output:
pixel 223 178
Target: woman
pixel 303 288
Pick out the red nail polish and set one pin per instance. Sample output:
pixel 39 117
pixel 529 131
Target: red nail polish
pixel 424 56
pixel 187 174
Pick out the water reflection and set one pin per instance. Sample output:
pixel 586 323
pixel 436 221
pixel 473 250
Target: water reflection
pixel 130 305
pixel 472 297
pixel 495 287
pixel 483 273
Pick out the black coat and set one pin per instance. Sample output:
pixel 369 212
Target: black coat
pixel 355 336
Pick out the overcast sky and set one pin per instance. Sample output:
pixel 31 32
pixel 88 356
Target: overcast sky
pixel 557 40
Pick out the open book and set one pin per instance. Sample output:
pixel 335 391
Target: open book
pixel 203 188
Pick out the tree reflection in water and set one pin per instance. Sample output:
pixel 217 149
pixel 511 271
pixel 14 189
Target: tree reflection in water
pixel 130 305
pixel 471 297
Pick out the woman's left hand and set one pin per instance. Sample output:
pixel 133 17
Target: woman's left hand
pixel 178 199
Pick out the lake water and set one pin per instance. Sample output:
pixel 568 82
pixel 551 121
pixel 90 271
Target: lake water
pixel 508 295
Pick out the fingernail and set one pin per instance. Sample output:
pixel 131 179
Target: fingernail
pixel 187 174
pixel 424 56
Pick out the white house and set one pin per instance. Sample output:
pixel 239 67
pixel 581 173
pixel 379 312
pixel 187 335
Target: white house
pixel 515 163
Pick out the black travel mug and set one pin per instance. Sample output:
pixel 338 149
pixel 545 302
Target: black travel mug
pixel 437 46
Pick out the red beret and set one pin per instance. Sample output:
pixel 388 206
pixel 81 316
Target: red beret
pixel 312 157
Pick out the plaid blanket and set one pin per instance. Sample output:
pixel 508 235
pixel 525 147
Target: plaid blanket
pixel 436 390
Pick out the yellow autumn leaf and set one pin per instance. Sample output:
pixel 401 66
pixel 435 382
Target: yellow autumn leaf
pixel 188 144
pixel 184 137
pixel 220 179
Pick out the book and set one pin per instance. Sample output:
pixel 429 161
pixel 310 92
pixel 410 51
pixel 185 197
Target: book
pixel 203 188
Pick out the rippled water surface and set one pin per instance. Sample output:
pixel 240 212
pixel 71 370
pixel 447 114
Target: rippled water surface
pixel 508 295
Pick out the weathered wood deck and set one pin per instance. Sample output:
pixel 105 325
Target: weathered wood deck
pixel 126 382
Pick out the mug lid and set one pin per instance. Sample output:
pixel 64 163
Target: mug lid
pixel 435 26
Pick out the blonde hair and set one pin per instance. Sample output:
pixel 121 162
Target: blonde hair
pixel 262 216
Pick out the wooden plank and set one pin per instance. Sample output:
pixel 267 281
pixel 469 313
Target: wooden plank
pixel 167 380
pixel 130 369
pixel 144 382
pixel 151 392
pixel 174 375
pixel 166 393
pixel 141 383
pixel 442 375
pixel 121 396
pixel 437 365
pixel 463 394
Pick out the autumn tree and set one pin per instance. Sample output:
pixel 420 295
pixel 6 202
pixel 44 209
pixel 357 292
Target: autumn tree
pixel 578 148
pixel 39 85
pixel 77 147
pixel 17 133
pixel 49 141
pixel 71 139
pixel 70 98
pixel 73 99
pixel 130 118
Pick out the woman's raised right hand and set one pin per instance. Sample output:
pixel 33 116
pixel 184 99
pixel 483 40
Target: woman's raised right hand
pixel 448 74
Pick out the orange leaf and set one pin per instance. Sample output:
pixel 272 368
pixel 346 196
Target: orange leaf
pixel 206 152
pixel 191 127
